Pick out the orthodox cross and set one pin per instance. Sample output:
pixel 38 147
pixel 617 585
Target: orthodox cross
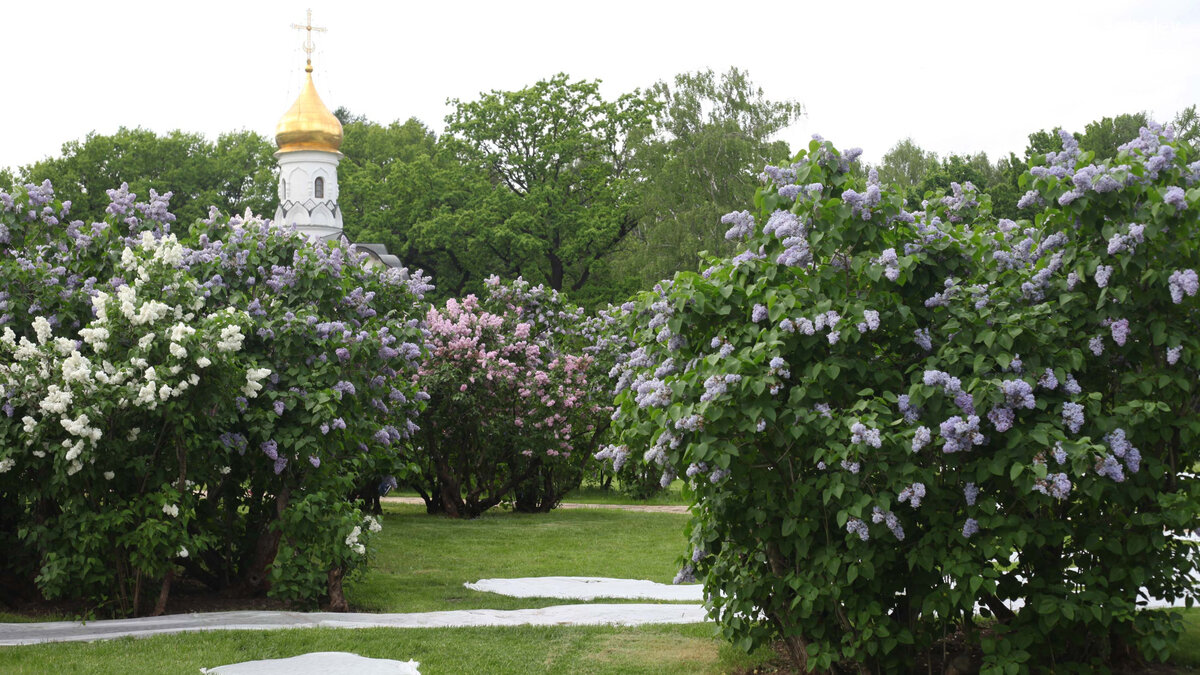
pixel 308 43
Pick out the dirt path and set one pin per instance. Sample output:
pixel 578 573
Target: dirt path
pixel 645 508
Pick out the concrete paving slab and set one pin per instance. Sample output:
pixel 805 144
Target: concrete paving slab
pixel 589 588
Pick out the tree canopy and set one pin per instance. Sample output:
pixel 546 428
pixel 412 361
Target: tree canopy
pixel 234 173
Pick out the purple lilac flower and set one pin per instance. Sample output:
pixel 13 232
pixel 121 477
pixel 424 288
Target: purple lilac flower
pixel 856 526
pixel 1048 380
pixel 852 467
pixel 280 463
pixel 324 428
pixel 1056 485
pixel 1072 416
pixel 1181 283
pixel 1071 386
pixel 279 407
pixel 1001 418
pixel 1176 197
pixel 759 313
pixel 1060 455
pixel 344 387
pixel 878 515
pixel 1030 198
pixel 1123 449
pixel 1018 394
pixel 1120 331
pixel 742 225
pixel 970 528
pixel 343 354
pixel 890 262
pixel 1109 466
pixel 1103 272
pixel 1096 344
pixel 270 449
pixel 913 494
pixel 861 434
pixel 921 337
pixel 910 412
pixel 960 434
pixel 970 493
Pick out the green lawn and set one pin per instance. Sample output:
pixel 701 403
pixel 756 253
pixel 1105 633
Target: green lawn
pixel 591 493
pixel 421 565
pixel 682 650
pixel 423 562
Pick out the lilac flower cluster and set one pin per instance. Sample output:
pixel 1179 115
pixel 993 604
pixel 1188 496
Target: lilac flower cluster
pixel 870 321
pixel 651 393
pixel 878 515
pixel 1056 485
pixel 856 526
pixel 970 528
pixel 1181 283
pixel 970 493
pixel 860 434
pixel 759 313
pixel 1120 331
pixel 1048 380
pixel 716 385
pixel 911 413
pixel 1072 416
pixel 1019 393
pixel 1103 272
pixel 1173 354
pixel 922 338
pixel 742 225
pixel 960 434
pixel 1124 450
pixel 1176 197
pixel 861 203
pixel 913 494
pixel 1001 418
pixel 961 199
pixel 852 467
pixel 891 264
pixel 922 437
pixel 1134 235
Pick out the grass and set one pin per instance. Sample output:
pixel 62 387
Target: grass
pixel 591 493
pixel 422 565
pixel 669 650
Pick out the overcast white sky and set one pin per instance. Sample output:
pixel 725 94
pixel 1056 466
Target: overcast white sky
pixel 959 76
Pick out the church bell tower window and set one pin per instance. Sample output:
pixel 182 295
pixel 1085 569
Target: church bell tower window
pixel 319 188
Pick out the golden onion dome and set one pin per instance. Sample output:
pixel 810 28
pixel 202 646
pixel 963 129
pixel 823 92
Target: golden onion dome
pixel 308 124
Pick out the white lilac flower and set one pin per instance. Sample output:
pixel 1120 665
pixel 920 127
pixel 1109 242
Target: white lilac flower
pixel 1173 354
pixel 922 437
pixel 171 510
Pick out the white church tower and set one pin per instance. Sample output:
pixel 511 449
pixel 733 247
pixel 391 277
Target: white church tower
pixel 309 137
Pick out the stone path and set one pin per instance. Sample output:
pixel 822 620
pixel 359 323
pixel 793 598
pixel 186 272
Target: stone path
pixel 558 615
pixel 645 508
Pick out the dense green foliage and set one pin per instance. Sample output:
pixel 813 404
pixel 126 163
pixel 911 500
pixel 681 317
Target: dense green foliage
pixel 200 404
pixel 892 419
pixel 235 173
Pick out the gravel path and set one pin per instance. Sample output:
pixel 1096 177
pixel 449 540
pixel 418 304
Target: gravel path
pixel 645 508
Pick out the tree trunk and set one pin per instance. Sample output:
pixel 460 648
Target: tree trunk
pixel 255 578
pixel 337 599
pixel 161 605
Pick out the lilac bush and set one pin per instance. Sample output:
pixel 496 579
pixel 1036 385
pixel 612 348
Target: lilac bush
pixel 935 413
pixel 164 395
